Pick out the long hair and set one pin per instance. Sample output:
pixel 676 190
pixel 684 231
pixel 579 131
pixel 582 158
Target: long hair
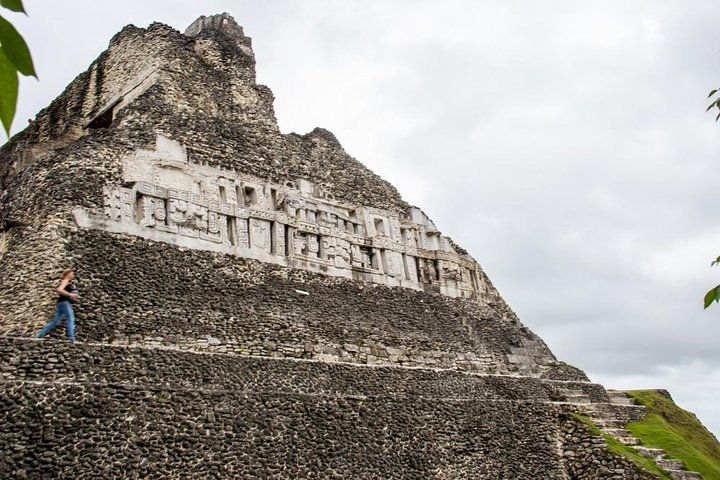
pixel 66 272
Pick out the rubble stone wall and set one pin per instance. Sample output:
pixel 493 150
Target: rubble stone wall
pixel 585 455
pixel 69 430
pixel 81 410
pixel 70 411
pixel 138 291
pixel 159 81
pixel 49 360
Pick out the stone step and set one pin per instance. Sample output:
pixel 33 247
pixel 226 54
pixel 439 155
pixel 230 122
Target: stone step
pixel 621 398
pixel 684 475
pixel 568 391
pixel 652 453
pixel 580 398
pixel 670 464
pixel 623 436
pixel 608 423
pixel 612 415
pixel 29 359
pixel 610 410
pixel 629 441
pixel 617 432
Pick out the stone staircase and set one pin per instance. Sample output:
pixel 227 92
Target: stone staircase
pixel 610 424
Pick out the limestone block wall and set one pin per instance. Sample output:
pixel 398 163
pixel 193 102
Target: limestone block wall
pixel 60 430
pixel 136 291
pixel 71 411
pixel 32 361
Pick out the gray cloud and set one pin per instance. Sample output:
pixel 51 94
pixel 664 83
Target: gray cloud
pixel 565 145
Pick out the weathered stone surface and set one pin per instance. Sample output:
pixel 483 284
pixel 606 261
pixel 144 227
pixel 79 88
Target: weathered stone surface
pixel 216 434
pixel 153 407
pixel 141 292
pixel 49 360
pixel 170 199
pixel 253 304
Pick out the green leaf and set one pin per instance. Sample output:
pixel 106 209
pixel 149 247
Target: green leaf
pixel 15 48
pixel 8 91
pixel 14 5
pixel 710 106
pixel 712 296
pixel 718 117
pixel 713 92
pixel 715 262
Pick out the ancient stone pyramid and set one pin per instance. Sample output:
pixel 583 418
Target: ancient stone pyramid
pixel 254 304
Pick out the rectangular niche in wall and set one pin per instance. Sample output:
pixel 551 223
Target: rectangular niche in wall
pixel 379 224
pixel 251 196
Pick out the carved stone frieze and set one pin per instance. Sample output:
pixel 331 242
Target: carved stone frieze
pixel 167 198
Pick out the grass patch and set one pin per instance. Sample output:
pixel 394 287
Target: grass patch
pixel 677 431
pixel 628 452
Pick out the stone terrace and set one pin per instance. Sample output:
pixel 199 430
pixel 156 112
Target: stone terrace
pixel 58 361
pixel 157 413
pixel 142 292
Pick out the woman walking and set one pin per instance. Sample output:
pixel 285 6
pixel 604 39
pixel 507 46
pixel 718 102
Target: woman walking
pixel 67 294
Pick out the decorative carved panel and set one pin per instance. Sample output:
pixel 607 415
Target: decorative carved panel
pixel 272 222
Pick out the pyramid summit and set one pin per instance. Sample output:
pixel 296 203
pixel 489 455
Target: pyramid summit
pixel 256 304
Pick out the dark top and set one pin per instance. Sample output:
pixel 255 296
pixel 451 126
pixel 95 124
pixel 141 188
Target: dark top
pixel 69 288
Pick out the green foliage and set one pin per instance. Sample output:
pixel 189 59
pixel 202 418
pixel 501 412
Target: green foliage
pixel 8 91
pixel 679 432
pixel 14 58
pixel 715 103
pixel 15 48
pixel 14 5
pixel 628 452
pixel 713 295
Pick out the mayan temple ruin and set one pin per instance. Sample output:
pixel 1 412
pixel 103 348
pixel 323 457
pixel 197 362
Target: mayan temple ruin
pixel 257 304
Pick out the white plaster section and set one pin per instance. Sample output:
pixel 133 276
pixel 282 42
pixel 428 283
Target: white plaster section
pixel 167 198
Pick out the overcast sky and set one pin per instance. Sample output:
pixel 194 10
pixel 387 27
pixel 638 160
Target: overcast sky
pixel 563 143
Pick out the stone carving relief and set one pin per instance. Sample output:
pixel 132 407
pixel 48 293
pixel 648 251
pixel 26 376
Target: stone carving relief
pixel 188 217
pixel 243 235
pixel 394 264
pixel 341 253
pixel 260 235
pixel 428 270
pixel 280 239
pixel 313 246
pixel 119 204
pixel 300 243
pixel 168 198
pixel 452 272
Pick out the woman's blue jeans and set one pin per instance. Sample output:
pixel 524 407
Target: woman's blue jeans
pixel 63 309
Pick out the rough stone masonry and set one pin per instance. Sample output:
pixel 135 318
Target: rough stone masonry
pixel 254 304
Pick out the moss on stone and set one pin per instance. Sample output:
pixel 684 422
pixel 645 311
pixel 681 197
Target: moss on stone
pixel 627 452
pixel 678 432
